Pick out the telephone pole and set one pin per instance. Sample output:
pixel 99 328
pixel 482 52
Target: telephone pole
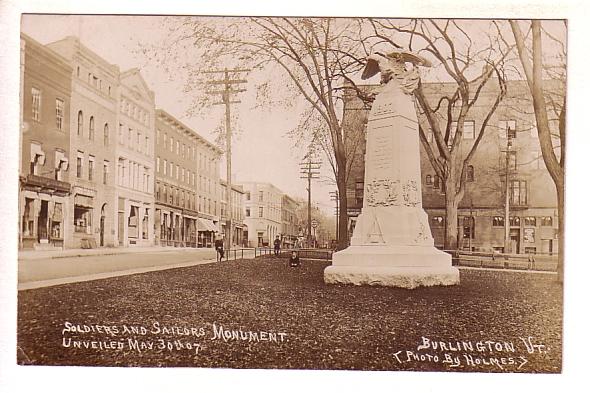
pixel 227 90
pixel 309 170
pixel 507 245
pixel 335 197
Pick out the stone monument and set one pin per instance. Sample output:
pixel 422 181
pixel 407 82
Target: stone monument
pixel 392 244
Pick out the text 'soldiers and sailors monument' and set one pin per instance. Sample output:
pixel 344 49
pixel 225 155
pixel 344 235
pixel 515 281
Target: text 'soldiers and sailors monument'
pixel 392 244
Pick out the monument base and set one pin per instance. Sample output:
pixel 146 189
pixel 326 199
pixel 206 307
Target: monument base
pixel 394 266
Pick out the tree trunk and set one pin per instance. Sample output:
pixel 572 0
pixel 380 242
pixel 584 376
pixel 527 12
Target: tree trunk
pixel 343 214
pixel 560 230
pixel 451 207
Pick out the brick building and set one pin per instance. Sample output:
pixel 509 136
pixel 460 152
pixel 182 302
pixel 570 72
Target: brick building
pixel 187 185
pixel 532 196
pixel 45 207
pixel 262 205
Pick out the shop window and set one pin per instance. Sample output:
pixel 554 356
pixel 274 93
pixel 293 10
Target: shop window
pixel 56 220
pixel 82 219
pixel 133 221
pixel 28 219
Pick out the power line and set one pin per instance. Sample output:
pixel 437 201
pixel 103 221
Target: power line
pixel 226 100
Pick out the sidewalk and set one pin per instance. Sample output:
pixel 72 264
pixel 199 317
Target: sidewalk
pixel 78 252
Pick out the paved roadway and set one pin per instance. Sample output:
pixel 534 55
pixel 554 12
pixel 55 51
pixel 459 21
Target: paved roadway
pixel 47 270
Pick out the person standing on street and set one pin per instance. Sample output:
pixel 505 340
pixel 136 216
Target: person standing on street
pixel 219 249
pixel 277 244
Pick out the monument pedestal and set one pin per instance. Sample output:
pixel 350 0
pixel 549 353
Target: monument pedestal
pixel 394 266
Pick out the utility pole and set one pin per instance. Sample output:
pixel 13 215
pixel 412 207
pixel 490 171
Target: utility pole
pixel 335 197
pixel 226 100
pixel 507 193
pixel 309 170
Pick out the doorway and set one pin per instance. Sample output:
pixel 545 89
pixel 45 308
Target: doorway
pixel 42 222
pixel 515 240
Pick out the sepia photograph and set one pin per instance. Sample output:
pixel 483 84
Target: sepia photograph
pixel 363 192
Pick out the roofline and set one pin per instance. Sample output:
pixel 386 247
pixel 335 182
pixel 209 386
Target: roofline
pixel 161 113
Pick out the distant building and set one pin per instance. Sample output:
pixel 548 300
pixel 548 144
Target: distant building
pixel 94 89
pixel 290 222
pixel 237 214
pixel 186 190
pixel 533 200
pixel 262 206
pixel 45 207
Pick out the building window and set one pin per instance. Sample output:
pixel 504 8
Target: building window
pixel 158 164
pixel 171 144
pixel 469 227
pixel 247 212
pixel 79 164
pixel 90 168
pixel 530 250
pixel 436 183
pixel 261 197
pixel 515 221
pixel 177 172
pixel 138 141
pixel 91 128
pixel 530 221
pixel 80 123
pixel 105 172
pixel 247 195
pixel 428 180
pixel 468 131
pixel 359 189
pixel 518 192
pixel 470 173
pixel 260 211
pixel 177 147
pixel 59 113
pixel 507 128
pixel 511 160
pixel 36 104
pixel 106 135
pixel 547 221
pixel 498 221
pixel 147 145
pixel 437 221
pixel 165 167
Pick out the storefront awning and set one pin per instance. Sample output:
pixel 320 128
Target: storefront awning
pixel 83 200
pixel 206 225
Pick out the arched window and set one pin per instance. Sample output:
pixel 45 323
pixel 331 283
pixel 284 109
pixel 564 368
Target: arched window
pixel 91 128
pixel 106 134
pixel 80 122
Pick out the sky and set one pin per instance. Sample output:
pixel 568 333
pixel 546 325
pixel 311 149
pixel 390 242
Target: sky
pixel 261 149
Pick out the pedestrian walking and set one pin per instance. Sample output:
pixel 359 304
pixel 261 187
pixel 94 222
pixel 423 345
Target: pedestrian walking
pixel 277 245
pixel 219 248
pixel 294 260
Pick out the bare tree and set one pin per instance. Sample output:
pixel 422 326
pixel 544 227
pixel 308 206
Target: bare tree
pixel 311 54
pixel 546 104
pixel 469 61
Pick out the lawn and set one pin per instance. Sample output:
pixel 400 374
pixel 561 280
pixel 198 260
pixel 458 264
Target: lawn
pixel 262 314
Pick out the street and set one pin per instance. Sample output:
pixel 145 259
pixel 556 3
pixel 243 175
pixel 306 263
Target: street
pixel 60 269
